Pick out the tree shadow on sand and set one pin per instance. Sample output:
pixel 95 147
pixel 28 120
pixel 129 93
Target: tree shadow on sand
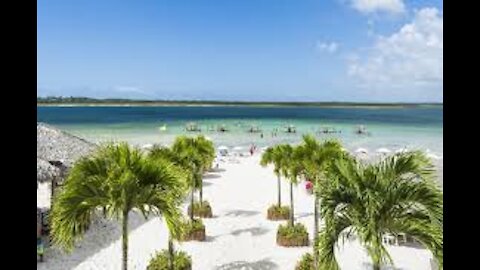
pixel 211 176
pixel 302 215
pixel 110 231
pixel 265 264
pixel 369 266
pixel 206 184
pixel 217 170
pixel 241 213
pixel 255 231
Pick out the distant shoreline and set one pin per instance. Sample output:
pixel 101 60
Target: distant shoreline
pixel 113 103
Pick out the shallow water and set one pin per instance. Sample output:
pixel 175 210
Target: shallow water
pixel 392 128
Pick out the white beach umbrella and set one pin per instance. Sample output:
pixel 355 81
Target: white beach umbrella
pixel 238 148
pixel 222 148
pixel 361 151
pixel 401 150
pixel 383 150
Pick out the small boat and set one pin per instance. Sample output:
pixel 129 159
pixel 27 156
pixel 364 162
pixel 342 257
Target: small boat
pixel 254 129
pixel 163 127
pixel 222 128
pixel 192 127
pixel 290 129
pixel 361 130
pixel 328 130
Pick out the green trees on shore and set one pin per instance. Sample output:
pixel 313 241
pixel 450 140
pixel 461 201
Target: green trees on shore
pixel 197 154
pixel 120 179
pixel 396 195
pixel 314 158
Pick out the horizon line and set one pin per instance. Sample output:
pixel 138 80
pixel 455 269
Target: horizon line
pixel 81 99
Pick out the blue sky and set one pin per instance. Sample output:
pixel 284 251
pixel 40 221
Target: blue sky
pixel 279 50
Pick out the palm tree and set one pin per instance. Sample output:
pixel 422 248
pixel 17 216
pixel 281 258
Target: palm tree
pixel 315 157
pixel 207 153
pixel 196 153
pixel 273 156
pixel 161 154
pixel 121 179
pixel 395 195
pixel 290 168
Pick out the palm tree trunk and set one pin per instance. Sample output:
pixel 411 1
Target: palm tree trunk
pixel 201 189
pixel 192 200
pixel 279 192
pixel 291 205
pixel 315 232
pixel 171 253
pixel 125 239
pixel 104 210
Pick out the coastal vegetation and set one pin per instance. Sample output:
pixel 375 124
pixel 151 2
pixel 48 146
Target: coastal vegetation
pixel 194 155
pixel 119 179
pixel 397 195
pixel 306 262
pixel 193 230
pixel 86 101
pixel 197 153
pixel 394 196
pixel 314 158
pixel 273 155
pixel 200 209
pixel 289 235
pixel 161 261
pixel 287 164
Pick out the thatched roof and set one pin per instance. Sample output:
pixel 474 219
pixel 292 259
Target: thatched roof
pixel 57 145
pixel 46 171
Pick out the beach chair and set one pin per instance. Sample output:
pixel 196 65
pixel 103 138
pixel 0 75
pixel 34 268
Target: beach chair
pixel 403 237
pixel 389 239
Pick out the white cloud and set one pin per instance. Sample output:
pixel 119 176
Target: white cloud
pixel 409 60
pixel 329 47
pixel 372 6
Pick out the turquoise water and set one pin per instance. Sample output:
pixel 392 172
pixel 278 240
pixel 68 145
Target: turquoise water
pixel 393 128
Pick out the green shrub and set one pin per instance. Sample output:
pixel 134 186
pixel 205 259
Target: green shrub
pixel 193 230
pixel 204 210
pixel 275 212
pixel 305 263
pixel 296 235
pixel 161 261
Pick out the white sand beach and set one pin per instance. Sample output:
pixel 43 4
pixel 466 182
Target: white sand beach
pixel 238 236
